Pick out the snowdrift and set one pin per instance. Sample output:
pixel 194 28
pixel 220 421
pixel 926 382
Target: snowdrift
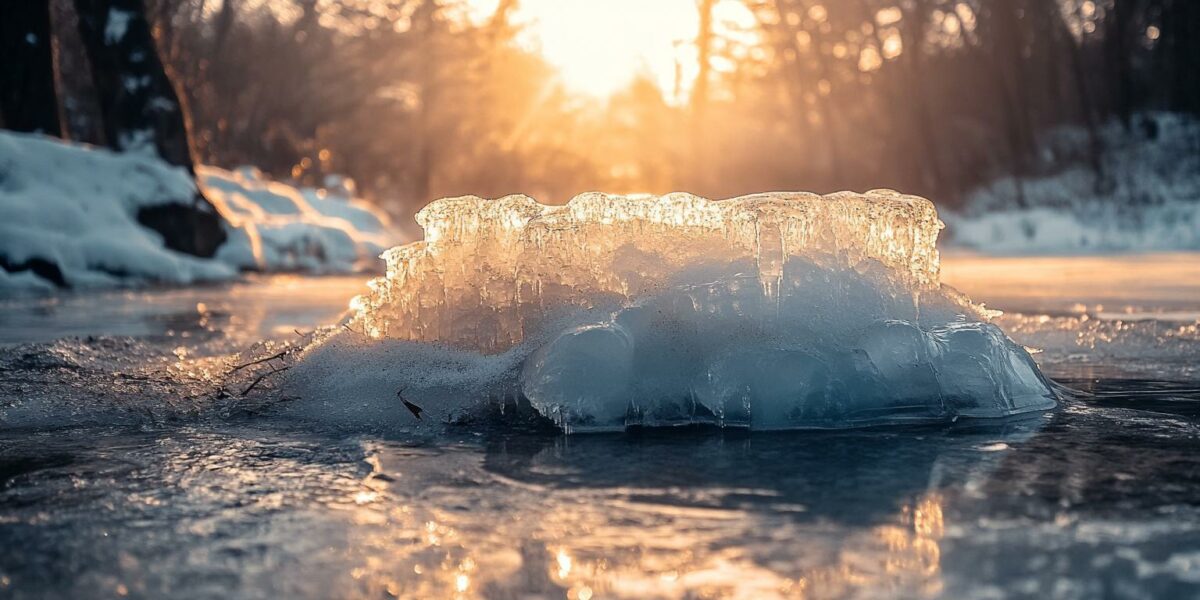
pixel 1149 199
pixel 773 311
pixel 73 208
pixel 278 227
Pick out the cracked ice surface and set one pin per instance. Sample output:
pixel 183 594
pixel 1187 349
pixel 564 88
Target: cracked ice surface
pixel 772 311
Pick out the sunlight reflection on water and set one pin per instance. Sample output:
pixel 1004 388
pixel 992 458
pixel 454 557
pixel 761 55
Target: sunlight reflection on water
pixel 198 512
pixel 1140 284
pixel 236 313
pixel 531 521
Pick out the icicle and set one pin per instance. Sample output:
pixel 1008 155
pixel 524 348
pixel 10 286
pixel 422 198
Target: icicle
pixel 601 247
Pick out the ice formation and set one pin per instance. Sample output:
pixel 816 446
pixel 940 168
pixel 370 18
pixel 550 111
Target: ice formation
pixel 489 271
pixel 772 311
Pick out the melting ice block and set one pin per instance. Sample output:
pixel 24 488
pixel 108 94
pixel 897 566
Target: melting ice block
pixel 772 311
pixel 491 271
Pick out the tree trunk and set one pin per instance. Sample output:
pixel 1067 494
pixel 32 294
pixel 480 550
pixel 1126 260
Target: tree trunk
pixel 1120 58
pixel 828 116
pixel 27 98
pixel 700 166
pixel 913 31
pixel 140 107
pixel 424 25
pixel 1086 110
pixel 1181 50
pixel 142 112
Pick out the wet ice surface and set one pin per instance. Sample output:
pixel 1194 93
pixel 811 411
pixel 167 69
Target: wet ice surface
pixel 1097 498
pixel 1133 317
pixel 230 313
pixel 1089 502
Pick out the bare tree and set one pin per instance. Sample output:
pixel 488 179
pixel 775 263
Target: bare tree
pixel 141 111
pixel 700 93
pixel 27 95
pixel 1087 109
pixel 933 96
pixel 139 104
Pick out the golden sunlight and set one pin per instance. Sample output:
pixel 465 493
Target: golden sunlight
pixel 599 47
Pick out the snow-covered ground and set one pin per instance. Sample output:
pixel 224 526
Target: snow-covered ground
pixel 1148 200
pixel 74 207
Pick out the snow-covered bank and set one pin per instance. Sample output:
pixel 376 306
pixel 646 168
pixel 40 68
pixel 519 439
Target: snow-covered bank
pixel 72 208
pixel 1147 200
pixel 278 227
pixel 1098 228
pixel 69 212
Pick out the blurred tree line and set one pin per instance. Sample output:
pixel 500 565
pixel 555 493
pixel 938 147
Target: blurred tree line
pixel 417 99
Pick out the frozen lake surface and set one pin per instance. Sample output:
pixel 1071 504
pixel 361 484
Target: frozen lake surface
pixel 164 497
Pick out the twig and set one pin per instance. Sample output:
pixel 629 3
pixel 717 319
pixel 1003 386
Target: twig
pixel 259 361
pixel 412 408
pixel 133 377
pixel 263 376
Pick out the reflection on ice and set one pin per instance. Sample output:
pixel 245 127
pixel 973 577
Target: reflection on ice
pixel 199 512
pixel 607 517
pixel 773 311
pixel 903 555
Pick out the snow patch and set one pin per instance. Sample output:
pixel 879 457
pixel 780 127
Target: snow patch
pixel 74 208
pixel 118 25
pixel 278 227
pixel 1148 199
pixel 1100 227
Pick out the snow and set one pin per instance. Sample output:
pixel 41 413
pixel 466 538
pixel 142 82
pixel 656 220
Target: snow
pixel 773 311
pixel 1100 228
pixel 278 227
pixel 75 207
pixel 1150 200
pixel 22 281
pixel 118 25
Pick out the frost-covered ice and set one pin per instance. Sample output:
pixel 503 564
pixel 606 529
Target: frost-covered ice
pixel 76 206
pixel 772 311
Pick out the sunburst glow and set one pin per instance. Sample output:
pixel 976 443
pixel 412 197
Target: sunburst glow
pixel 600 46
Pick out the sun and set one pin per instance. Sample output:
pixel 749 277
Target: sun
pixel 600 46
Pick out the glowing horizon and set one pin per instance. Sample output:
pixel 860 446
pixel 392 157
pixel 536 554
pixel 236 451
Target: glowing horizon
pixel 599 48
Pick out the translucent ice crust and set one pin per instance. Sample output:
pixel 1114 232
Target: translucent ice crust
pixel 490 271
pixel 772 311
